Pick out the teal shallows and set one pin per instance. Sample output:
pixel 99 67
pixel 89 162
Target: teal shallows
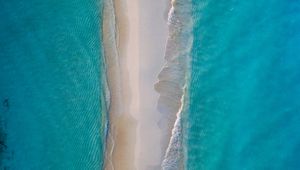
pixel 244 110
pixel 50 74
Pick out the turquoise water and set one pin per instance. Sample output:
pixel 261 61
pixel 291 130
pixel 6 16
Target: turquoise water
pixel 50 88
pixel 244 109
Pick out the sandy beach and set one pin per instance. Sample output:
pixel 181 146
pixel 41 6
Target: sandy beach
pixel 134 35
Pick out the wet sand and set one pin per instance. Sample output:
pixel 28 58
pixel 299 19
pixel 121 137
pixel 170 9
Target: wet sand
pixel 122 84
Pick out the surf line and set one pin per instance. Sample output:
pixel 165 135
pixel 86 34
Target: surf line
pixel 173 80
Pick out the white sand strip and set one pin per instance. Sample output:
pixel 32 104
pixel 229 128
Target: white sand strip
pixel 135 56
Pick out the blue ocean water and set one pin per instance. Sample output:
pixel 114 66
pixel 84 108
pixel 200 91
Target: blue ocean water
pixel 52 107
pixel 244 109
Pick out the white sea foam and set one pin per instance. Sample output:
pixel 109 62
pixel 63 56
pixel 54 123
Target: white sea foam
pixel 172 80
pixel 173 156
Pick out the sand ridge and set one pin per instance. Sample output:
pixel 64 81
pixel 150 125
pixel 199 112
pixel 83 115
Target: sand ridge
pixel 134 34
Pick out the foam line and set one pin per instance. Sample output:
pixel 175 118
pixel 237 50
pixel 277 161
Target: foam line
pixel 172 81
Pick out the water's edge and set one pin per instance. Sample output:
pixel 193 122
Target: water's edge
pixel 172 82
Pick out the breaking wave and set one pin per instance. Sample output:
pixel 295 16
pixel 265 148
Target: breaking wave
pixel 172 82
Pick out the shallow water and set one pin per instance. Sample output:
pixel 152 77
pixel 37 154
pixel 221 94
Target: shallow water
pixel 51 91
pixel 243 110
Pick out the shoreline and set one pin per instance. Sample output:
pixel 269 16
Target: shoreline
pixel 122 126
pixel 173 80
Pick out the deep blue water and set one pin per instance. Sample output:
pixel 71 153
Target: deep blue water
pixel 50 85
pixel 244 109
